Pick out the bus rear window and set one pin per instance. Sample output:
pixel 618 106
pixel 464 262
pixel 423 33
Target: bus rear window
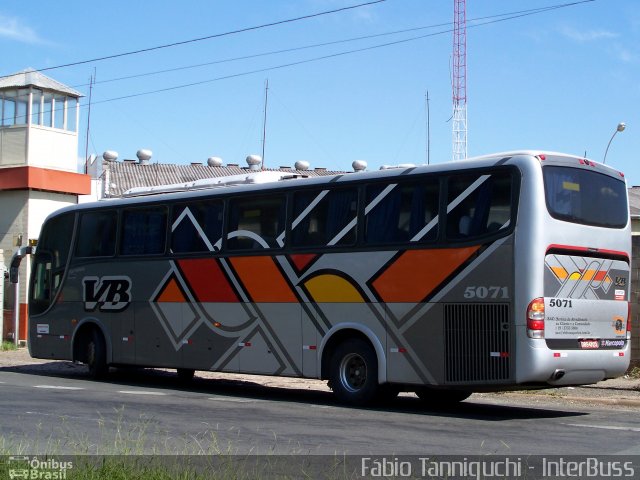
pixel 581 196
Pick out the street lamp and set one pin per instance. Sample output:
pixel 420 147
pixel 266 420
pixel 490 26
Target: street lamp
pixel 620 128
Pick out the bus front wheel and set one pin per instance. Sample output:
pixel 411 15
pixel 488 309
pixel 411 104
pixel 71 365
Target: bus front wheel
pixel 354 372
pixel 97 355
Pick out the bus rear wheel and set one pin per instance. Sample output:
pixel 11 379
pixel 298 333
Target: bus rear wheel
pixel 97 355
pixel 441 398
pixel 354 372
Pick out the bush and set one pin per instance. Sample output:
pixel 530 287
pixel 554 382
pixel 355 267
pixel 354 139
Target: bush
pixel 7 346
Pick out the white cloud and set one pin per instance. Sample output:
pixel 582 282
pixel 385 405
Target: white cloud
pixel 583 36
pixel 14 29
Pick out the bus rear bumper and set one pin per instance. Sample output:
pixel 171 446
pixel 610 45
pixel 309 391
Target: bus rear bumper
pixel 538 363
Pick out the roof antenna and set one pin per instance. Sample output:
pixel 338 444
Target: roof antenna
pixel 264 123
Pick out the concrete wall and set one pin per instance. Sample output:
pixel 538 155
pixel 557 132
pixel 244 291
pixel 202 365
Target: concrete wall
pixel 13 220
pixel 53 148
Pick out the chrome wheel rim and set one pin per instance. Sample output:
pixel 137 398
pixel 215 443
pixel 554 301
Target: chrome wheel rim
pixel 353 372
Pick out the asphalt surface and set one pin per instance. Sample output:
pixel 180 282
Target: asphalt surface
pixel 622 391
pixel 52 406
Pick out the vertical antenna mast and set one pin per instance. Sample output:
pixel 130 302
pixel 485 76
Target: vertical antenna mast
pixel 264 123
pixel 459 80
pixel 428 129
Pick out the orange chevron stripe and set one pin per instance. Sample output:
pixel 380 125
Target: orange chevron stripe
pixel 207 280
pixel 600 275
pixel 171 293
pixel 301 260
pixel 416 273
pixel 560 272
pixel 262 280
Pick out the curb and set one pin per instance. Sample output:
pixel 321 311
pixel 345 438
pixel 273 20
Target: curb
pixel 620 401
pixel 626 402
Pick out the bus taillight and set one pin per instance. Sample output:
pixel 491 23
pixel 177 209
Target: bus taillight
pixel 535 318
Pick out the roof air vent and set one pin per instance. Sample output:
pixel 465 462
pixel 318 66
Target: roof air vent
pixel 214 161
pixel 144 155
pixel 301 165
pixel 110 155
pixel 254 162
pixel 359 165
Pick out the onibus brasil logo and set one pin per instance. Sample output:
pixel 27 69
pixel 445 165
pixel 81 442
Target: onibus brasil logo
pixel 34 468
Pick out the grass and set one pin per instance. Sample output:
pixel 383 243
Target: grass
pixel 141 450
pixel 6 346
pixel 634 373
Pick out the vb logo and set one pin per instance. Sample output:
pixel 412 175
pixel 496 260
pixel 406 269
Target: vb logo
pixel 108 294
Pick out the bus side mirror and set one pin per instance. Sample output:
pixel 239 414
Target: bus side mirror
pixel 13 274
pixel 15 262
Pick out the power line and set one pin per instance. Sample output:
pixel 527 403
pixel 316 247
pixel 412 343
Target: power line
pixel 335 42
pixel 479 23
pixel 209 37
pixel 339 54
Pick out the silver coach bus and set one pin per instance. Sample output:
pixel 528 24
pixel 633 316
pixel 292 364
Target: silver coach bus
pixel 500 272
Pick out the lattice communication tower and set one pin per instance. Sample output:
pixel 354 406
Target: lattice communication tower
pixel 459 81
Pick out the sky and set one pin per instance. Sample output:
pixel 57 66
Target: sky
pixel 559 80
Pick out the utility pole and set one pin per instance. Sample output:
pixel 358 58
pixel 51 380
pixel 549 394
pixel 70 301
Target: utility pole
pixel 86 148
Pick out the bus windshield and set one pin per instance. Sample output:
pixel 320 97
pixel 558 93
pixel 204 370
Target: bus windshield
pixel 589 198
pixel 50 261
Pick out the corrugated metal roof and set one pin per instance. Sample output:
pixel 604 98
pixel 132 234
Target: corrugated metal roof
pixel 31 77
pixel 634 201
pixel 130 174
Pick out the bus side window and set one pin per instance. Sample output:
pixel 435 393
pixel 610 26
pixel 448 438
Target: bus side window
pixel 500 211
pixel 256 222
pixel 401 212
pixel 324 218
pixel 143 231
pixel 196 227
pixel 41 284
pixel 97 234
pixel 478 205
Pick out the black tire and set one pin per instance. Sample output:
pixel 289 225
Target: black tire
pixel 441 398
pixel 185 374
pixel 354 372
pixel 97 356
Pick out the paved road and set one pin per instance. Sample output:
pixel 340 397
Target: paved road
pixel 142 412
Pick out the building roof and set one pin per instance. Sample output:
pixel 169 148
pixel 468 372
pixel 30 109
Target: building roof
pixel 121 176
pixel 634 202
pixel 31 77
